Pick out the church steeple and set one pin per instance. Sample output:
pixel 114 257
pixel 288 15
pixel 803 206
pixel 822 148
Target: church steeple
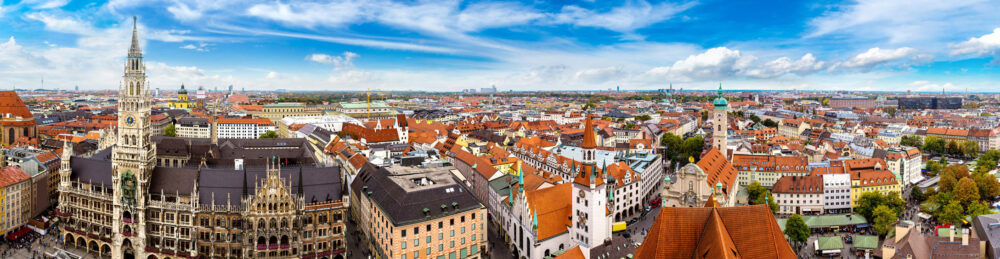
pixel 135 50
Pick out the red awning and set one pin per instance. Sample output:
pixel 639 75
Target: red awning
pixel 18 233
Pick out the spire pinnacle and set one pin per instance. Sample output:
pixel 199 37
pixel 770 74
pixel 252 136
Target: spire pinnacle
pixel 135 37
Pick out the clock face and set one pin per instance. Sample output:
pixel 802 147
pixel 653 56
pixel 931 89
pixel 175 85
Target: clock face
pixel 130 120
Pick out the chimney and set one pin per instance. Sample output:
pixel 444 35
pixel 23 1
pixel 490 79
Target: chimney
pixel 965 237
pixel 902 228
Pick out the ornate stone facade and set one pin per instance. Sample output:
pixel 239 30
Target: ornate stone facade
pixel 231 200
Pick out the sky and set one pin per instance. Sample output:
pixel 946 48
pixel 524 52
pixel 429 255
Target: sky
pixel 449 45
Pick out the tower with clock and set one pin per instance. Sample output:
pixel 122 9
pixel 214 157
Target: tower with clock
pixel 592 204
pixel 133 157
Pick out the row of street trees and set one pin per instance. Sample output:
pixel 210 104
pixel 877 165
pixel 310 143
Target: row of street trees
pixel 938 145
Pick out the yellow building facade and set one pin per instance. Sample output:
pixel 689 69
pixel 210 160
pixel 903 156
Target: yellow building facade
pixel 182 102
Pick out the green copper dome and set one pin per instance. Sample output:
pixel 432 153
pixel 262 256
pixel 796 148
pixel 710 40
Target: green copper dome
pixel 721 101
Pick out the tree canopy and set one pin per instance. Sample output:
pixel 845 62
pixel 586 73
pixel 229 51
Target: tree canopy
pixel 884 217
pixel 170 131
pixel 796 229
pixel 269 134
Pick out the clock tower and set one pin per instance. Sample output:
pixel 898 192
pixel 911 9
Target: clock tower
pixel 133 157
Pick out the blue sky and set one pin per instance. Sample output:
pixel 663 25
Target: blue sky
pixel 445 45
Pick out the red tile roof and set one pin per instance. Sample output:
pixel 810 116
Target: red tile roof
pixel 715 232
pixel 554 209
pixel 11 104
pixel 718 169
pixel 12 175
pixel 589 138
pixel 799 184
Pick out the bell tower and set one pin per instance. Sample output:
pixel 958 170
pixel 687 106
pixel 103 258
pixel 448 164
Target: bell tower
pixel 720 121
pixel 133 157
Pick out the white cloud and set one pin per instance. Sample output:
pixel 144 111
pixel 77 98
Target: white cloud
pixel 907 22
pixel 626 18
pixel 483 15
pixel 62 24
pixel 181 11
pixel 201 47
pixel 310 14
pixel 984 45
pixel 45 4
pixel 344 62
pixel 784 65
pixel 876 56
pixel 713 64
pixel 599 75
pixel 927 86
pixel 274 75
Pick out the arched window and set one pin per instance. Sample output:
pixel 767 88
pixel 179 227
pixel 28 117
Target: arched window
pixel 260 224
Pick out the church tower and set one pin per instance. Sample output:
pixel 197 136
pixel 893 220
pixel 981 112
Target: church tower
pixel 591 217
pixel 132 157
pixel 720 133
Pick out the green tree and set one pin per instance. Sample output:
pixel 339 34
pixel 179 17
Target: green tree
pixel 170 131
pixel 988 160
pixel 895 202
pixel 754 118
pixel 933 167
pixel 959 171
pixel 693 146
pixel 917 194
pixel 951 213
pixel 644 117
pixel 912 141
pixel 947 182
pixel 884 218
pixel 755 190
pixel 978 208
pixel 770 123
pixel 269 134
pixel 934 144
pixel 867 203
pixel 970 149
pixel 966 191
pixel 796 229
pixel 704 115
pixel 891 111
pixel 988 185
pixel 953 148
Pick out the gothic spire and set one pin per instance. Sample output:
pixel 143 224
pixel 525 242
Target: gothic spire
pixel 520 180
pixel 134 50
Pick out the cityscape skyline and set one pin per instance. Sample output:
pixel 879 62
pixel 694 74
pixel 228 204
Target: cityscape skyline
pixel 519 46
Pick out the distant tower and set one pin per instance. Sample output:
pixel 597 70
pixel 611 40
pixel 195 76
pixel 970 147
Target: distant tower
pixel 721 122
pixel 670 94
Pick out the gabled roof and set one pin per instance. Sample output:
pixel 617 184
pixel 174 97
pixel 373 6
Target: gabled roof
pixel 715 232
pixel 718 169
pixel 11 104
pixel 554 208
